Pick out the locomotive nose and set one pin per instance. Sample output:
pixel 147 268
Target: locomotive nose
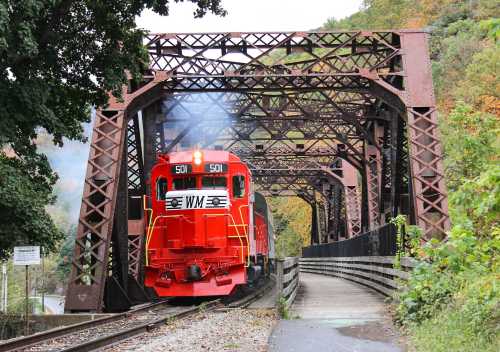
pixel 193 272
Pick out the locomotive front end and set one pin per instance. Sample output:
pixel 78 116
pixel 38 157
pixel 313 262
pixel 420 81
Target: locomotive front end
pixel 198 235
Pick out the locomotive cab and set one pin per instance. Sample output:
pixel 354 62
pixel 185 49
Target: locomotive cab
pixel 201 239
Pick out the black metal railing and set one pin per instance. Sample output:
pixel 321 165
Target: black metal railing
pixel 379 242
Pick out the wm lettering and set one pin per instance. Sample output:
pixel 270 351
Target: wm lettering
pixel 194 201
pixel 199 201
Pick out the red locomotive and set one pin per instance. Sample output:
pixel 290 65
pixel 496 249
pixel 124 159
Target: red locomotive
pixel 208 232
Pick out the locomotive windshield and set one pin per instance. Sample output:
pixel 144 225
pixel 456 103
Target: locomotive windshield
pixel 210 182
pixel 181 183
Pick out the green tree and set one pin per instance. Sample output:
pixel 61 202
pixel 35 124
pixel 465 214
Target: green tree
pixel 470 143
pixel 57 59
pixel 481 86
pixel 23 196
pixel 292 225
pixel 387 13
pixel 476 203
pixel 66 255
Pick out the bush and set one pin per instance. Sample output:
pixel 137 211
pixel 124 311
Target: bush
pixel 476 204
pixel 481 86
pixel 469 324
pixel 451 301
pixel 283 310
pixel 435 280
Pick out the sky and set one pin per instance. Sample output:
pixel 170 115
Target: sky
pixel 251 16
pixel 243 16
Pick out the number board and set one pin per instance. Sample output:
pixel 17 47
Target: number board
pixel 181 169
pixel 215 167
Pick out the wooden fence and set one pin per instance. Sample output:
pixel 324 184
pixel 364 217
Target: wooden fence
pixel 372 271
pixel 287 278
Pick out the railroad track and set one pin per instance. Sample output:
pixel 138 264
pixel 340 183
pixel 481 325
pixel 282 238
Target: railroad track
pixel 102 332
pixel 21 344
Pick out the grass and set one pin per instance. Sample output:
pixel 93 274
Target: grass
pixel 449 331
pixel 231 346
pixel 469 321
pixel 283 310
pixel 202 308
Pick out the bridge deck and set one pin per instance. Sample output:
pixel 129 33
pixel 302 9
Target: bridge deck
pixel 335 315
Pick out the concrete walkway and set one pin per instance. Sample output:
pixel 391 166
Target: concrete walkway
pixel 335 315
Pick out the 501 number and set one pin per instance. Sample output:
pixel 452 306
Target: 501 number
pixel 216 168
pixel 181 169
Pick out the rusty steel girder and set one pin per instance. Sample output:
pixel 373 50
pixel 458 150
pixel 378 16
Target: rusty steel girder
pixel 245 117
pixel 89 272
pixel 281 180
pixel 344 120
pixel 99 261
pixel 392 67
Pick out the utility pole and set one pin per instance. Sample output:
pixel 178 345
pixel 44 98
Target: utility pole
pixel 5 288
pixel 43 281
pixel 27 303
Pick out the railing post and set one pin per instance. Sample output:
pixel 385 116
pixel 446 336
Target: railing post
pixel 279 274
pixel 297 269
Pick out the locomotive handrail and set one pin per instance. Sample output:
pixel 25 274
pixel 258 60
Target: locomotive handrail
pixel 245 226
pixel 144 197
pixel 150 229
pixel 239 237
pixel 146 209
pixel 241 217
pixel 149 233
pixel 246 234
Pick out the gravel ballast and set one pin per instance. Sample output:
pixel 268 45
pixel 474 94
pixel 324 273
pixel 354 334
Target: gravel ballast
pixel 242 330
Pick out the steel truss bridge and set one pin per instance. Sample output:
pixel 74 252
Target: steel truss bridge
pixel 344 120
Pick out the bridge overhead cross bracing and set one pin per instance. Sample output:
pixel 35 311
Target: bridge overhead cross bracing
pixel 344 120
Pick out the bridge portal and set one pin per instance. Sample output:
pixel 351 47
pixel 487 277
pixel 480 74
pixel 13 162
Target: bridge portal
pixel 344 120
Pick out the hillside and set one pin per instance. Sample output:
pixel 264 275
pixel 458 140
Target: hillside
pixel 453 300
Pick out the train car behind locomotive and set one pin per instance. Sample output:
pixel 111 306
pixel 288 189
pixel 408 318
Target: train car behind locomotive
pixel 207 234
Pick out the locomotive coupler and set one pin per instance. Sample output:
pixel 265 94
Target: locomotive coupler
pixel 193 272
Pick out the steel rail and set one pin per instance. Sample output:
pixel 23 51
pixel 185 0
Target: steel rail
pixel 27 341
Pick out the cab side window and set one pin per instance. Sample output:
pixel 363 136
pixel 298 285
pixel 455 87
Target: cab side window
pixel 238 186
pixel 161 188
